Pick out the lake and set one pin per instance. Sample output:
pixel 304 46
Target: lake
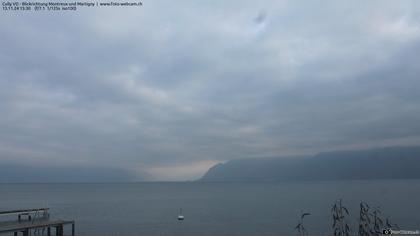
pixel 214 208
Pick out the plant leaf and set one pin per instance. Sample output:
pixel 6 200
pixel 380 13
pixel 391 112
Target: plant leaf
pixel 305 214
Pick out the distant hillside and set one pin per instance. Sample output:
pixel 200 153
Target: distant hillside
pixel 383 163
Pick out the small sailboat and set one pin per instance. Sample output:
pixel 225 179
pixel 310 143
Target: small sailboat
pixel 180 216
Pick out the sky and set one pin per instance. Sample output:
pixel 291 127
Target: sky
pixel 164 91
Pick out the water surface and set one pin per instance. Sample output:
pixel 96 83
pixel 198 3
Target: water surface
pixel 213 208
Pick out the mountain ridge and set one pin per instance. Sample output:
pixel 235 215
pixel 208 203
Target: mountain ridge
pixel 379 163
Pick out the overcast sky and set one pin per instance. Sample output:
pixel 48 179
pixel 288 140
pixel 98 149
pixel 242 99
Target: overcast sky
pixel 166 90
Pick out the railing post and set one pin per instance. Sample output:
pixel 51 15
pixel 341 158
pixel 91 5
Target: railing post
pixel 59 230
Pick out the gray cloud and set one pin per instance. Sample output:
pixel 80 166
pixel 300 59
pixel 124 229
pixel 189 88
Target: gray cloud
pixel 167 90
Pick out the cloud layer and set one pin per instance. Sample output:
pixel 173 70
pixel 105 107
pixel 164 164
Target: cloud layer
pixel 168 89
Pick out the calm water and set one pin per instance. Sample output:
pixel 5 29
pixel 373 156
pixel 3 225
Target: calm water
pixel 212 208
